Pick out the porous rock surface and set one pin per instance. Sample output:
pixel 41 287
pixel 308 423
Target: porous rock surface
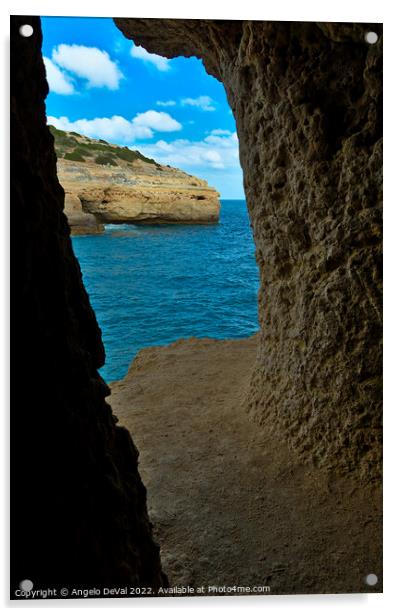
pixel 307 102
pixel 79 514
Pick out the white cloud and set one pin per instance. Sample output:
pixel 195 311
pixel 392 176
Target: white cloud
pixel 213 156
pixel 196 155
pixel 166 103
pixel 202 102
pixel 139 53
pixel 89 63
pixel 118 129
pixel 220 131
pixel 222 141
pixel 58 81
pixel 114 129
pixel 158 120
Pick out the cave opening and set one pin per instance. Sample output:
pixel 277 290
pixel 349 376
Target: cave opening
pixel 151 281
pixel 176 303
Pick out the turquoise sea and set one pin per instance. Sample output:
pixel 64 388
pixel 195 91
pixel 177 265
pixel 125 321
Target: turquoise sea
pixel 151 285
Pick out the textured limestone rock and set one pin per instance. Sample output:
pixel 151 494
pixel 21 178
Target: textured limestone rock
pixel 81 223
pixel 79 513
pixel 123 195
pixel 107 183
pixel 307 102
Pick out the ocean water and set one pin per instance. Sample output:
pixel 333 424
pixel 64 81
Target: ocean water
pixel 151 285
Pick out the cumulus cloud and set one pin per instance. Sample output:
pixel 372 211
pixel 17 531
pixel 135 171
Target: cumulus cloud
pixel 139 53
pixel 117 128
pixel 221 140
pixel 192 155
pixel 158 120
pixel 89 63
pixel 205 103
pixel 58 81
pixel 166 103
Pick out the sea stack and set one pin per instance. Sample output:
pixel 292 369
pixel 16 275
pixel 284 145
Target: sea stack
pixel 105 183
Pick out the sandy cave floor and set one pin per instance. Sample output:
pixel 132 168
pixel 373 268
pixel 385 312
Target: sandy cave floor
pixel 229 505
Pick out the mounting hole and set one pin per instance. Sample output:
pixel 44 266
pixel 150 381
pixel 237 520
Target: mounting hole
pixel 26 30
pixel 26 585
pixel 371 38
pixel 371 579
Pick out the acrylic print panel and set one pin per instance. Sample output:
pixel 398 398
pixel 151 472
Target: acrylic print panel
pixel 196 232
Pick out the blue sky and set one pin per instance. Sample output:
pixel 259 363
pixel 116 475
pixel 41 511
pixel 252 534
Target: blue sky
pixel 104 86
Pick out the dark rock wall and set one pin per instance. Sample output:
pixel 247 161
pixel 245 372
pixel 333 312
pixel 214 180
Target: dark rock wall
pixel 78 504
pixel 307 102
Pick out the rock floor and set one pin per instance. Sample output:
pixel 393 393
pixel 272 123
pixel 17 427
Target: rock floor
pixel 231 506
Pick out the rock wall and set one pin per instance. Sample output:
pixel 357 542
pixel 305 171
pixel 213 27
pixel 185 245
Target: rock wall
pixel 80 222
pixel 78 505
pixel 307 101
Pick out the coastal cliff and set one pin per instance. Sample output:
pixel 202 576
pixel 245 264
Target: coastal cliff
pixel 105 183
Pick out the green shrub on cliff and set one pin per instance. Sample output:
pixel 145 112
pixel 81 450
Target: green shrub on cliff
pixel 96 148
pixel 105 159
pixel 132 155
pixel 101 151
pixel 62 139
pixel 126 154
pixel 80 151
pixel 75 155
pixel 144 158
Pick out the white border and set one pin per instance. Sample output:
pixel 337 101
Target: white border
pixel 283 10
pixel 289 10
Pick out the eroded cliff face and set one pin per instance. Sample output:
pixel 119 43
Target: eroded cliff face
pixel 79 513
pixel 307 102
pixel 106 183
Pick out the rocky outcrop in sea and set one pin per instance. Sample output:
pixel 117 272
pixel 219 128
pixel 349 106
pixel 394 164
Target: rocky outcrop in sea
pixel 105 183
